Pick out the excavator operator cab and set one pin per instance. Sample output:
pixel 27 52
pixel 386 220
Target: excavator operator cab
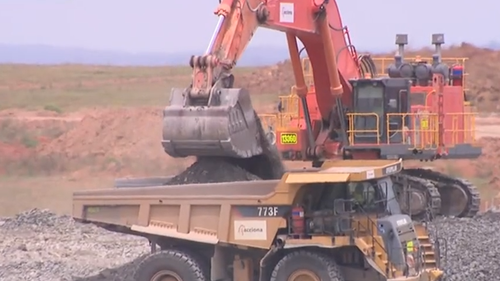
pixel 379 107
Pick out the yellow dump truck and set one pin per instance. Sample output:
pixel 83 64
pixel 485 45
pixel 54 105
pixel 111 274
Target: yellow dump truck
pixel 340 222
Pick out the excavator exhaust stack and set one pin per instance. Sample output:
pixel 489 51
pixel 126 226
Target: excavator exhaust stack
pixel 222 124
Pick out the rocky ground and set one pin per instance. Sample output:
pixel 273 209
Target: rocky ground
pixel 470 251
pixel 39 245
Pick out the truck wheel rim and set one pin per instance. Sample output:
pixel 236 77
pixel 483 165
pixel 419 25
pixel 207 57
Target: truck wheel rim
pixel 303 275
pixel 166 275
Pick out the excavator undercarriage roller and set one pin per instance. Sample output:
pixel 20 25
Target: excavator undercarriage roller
pixel 432 193
pixel 222 124
pixel 459 198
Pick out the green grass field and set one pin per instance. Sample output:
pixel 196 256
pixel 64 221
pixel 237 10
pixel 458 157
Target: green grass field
pixel 72 87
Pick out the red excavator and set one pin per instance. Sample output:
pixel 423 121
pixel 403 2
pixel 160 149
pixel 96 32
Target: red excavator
pixel 436 123
pixel 347 114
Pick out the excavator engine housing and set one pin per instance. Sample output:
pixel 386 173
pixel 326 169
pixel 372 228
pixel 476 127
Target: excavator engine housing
pixel 225 126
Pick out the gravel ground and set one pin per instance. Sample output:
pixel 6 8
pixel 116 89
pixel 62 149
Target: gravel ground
pixel 472 251
pixel 38 245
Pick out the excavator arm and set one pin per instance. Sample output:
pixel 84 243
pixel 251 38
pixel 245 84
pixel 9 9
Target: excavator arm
pixel 237 22
pixel 211 118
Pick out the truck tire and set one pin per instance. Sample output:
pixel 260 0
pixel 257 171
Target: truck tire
pixel 176 264
pixel 306 265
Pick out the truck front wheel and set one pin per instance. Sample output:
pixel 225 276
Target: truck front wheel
pixel 172 265
pixel 304 265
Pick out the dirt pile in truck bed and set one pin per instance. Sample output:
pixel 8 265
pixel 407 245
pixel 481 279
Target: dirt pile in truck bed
pixel 224 169
pixel 211 170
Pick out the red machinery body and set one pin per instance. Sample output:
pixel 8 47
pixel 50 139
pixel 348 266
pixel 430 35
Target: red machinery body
pixel 458 121
pixel 343 112
pixel 418 112
pixel 433 105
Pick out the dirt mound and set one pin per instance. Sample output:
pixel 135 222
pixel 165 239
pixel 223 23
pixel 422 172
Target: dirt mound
pixel 276 79
pixel 113 140
pixel 488 165
pixel 11 153
pixel 118 142
pixel 105 134
pixel 20 134
pixel 483 67
pixel 211 170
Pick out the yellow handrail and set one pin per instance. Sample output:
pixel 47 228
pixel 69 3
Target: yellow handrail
pixel 352 131
pixel 419 130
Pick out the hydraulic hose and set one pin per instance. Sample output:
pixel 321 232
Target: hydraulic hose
pixel 367 66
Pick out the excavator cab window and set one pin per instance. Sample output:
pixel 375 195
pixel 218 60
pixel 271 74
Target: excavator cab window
pixel 368 110
pixel 380 105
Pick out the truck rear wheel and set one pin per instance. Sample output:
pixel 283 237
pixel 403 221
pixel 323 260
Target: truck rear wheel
pixel 170 265
pixel 304 265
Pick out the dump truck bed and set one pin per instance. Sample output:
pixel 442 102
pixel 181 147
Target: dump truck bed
pixel 207 212
pixel 196 212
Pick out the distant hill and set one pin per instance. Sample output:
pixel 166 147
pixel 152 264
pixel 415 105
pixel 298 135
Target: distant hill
pixel 43 54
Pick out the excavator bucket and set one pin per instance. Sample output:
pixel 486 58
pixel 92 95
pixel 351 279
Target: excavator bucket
pixel 226 127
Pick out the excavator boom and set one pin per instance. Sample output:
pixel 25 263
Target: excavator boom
pixel 211 118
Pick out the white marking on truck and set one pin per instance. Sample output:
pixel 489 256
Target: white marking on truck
pixel 269 211
pixel 250 230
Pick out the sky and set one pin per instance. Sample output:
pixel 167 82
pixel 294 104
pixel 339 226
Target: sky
pixel 184 25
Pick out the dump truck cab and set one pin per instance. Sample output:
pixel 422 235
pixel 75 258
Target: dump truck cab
pixel 334 223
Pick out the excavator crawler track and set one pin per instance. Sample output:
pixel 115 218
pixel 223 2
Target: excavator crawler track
pixel 459 197
pixel 424 202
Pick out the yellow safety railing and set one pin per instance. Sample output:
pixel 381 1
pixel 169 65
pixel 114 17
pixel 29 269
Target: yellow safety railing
pixel 290 103
pixel 285 122
pixel 419 130
pixel 289 111
pixel 383 63
pixel 268 121
pixel 353 131
pixel 465 133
